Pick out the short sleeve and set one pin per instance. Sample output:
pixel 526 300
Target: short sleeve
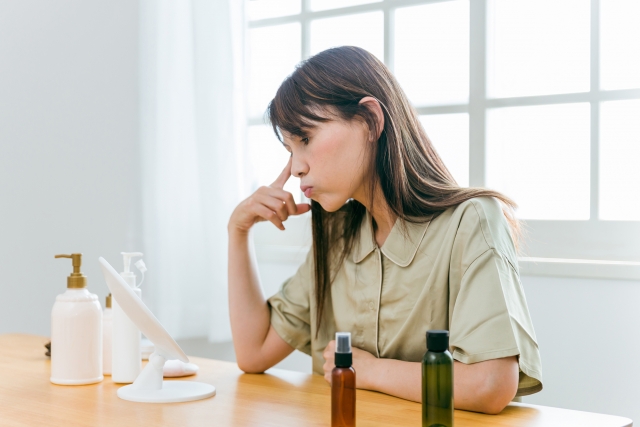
pixel 290 308
pixel 489 314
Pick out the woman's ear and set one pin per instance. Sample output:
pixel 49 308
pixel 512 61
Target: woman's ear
pixel 374 106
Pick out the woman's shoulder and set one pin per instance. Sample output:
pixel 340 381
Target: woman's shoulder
pixel 483 218
pixel 480 207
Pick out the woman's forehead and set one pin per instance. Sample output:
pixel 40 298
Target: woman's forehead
pixel 311 120
pixel 303 126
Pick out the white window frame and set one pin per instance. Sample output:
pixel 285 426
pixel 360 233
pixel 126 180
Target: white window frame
pixel 590 248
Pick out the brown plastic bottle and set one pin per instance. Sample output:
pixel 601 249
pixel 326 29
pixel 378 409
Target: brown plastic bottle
pixel 343 384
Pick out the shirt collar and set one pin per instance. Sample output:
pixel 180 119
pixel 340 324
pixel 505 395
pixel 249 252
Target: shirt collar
pixel 400 247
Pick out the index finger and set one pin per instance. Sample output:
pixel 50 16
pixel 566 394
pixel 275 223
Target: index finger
pixel 284 176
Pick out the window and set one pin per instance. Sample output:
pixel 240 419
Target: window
pixel 538 99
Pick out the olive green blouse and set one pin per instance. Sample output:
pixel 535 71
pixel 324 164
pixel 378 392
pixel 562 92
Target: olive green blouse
pixel 458 271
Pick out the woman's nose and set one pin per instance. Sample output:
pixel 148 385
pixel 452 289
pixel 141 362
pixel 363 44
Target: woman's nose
pixel 299 167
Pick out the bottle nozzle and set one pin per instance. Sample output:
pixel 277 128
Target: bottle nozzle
pixel 343 356
pixel 126 256
pixel 75 279
pixel 343 342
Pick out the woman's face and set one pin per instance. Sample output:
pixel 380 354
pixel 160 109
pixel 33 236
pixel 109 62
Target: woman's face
pixel 331 162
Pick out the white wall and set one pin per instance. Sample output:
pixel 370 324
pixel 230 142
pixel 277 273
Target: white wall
pixel 589 336
pixel 68 148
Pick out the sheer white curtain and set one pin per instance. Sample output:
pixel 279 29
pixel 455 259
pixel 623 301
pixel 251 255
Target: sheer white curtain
pixel 192 138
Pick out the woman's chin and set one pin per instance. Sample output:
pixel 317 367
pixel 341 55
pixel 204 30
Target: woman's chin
pixel 329 205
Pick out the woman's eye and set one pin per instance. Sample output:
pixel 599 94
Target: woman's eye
pixel 305 141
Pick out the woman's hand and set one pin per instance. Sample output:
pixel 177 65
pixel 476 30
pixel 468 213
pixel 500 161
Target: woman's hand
pixel 269 203
pixel 363 364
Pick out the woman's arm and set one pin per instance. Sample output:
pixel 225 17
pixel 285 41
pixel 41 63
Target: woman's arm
pixel 481 387
pixel 257 344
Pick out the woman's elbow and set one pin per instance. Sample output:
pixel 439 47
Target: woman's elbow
pixel 494 405
pixel 250 366
pixel 496 396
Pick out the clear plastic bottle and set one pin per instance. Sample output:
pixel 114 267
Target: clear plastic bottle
pixel 343 384
pixel 437 381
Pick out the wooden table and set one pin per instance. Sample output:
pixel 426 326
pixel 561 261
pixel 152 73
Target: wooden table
pixel 277 398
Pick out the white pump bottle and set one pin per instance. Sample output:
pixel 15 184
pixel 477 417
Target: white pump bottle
pixel 126 362
pixel 76 332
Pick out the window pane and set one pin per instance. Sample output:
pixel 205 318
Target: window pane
pixel 619 159
pixel 539 156
pixel 267 158
pixel 432 52
pixel 334 4
pixel 262 9
pixel 619 44
pixel 365 30
pixel 538 47
pixel 273 54
pixel 449 134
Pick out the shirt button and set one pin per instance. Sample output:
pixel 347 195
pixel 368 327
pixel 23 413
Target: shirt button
pixel 371 305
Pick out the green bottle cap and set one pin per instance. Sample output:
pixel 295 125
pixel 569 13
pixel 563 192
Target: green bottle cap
pixel 437 340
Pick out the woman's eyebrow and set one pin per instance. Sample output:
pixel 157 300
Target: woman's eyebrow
pixel 297 136
pixel 292 138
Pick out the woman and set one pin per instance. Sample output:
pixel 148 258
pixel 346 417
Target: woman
pixel 398 247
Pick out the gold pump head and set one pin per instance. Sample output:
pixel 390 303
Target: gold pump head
pixel 76 280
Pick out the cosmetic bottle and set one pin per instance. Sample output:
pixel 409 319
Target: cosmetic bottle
pixel 76 332
pixel 437 381
pixel 126 362
pixel 343 384
pixel 107 333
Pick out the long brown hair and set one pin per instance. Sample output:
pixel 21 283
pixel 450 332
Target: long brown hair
pixel 415 182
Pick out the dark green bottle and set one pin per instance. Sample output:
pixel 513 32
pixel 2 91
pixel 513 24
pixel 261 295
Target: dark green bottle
pixel 437 381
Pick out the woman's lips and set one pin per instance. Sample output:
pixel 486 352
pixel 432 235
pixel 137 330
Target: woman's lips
pixel 307 191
